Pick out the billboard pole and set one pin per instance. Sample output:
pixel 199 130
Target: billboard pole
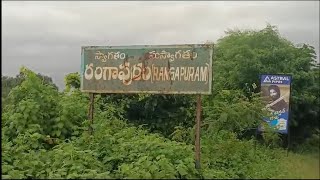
pixel 197 140
pixel 289 118
pixel 288 141
pixel 90 114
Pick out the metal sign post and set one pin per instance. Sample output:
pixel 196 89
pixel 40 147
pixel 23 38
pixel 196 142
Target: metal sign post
pixel 90 114
pixel 198 126
pixel 289 118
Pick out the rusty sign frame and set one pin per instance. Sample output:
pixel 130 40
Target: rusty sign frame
pixel 137 47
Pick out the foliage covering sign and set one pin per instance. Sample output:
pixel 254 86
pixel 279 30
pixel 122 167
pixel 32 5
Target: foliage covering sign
pixel 276 94
pixel 164 69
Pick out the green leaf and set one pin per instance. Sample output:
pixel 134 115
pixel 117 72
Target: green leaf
pixel 181 169
pixel 58 133
pixel 25 115
pixel 60 125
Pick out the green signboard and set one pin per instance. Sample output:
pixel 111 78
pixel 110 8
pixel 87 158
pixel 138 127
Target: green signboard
pixel 164 69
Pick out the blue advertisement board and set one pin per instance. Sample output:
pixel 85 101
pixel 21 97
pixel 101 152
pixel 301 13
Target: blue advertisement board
pixel 275 90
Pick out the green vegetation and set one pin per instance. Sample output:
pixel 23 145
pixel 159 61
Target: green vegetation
pixel 45 132
pixel 297 166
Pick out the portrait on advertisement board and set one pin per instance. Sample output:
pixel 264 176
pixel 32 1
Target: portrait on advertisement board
pixel 276 96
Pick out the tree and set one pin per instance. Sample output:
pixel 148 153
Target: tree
pixel 241 56
pixel 8 83
pixel 72 81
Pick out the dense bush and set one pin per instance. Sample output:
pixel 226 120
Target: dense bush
pixel 62 148
pixel 45 132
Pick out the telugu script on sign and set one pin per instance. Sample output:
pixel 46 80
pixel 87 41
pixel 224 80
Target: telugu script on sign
pixel 184 69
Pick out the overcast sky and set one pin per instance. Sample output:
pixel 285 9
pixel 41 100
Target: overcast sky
pixel 47 36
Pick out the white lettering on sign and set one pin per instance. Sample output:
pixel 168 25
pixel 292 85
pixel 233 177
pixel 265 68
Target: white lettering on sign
pixel 138 72
pixel 275 79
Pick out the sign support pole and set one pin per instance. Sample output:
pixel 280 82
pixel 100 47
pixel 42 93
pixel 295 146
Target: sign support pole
pixel 91 109
pixel 288 141
pixel 197 139
pixel 289 118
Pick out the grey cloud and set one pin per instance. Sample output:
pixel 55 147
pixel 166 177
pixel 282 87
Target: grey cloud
pixel 47 36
